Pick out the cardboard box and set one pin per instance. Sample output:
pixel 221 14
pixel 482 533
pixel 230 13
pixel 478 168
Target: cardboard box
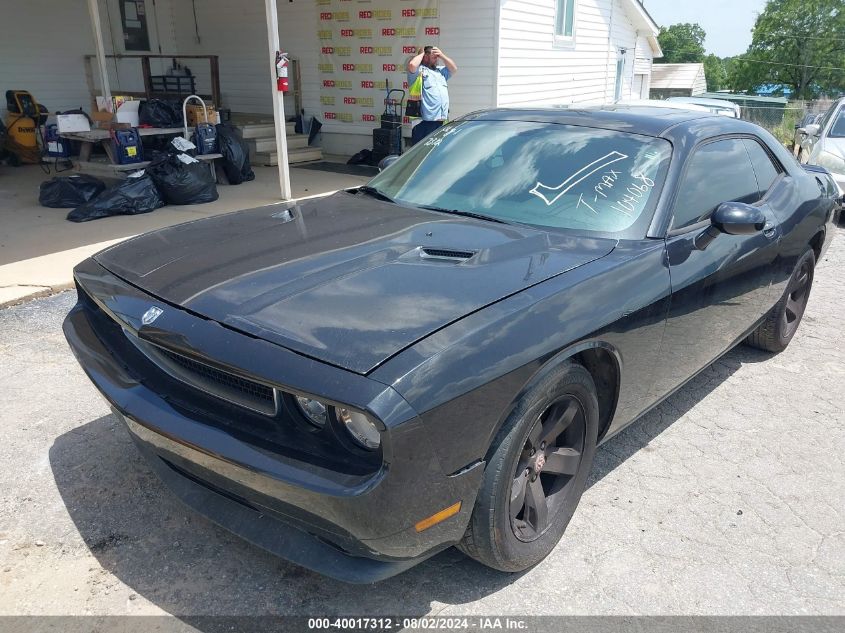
pixel 194 113
pixel 104 105
pixel 127 112
pixel 102 117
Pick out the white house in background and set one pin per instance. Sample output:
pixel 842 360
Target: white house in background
pixel 677 80
pixel 573 51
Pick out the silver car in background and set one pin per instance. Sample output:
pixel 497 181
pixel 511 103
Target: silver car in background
pixel 716 106
pixel 824 143
pixel 801 131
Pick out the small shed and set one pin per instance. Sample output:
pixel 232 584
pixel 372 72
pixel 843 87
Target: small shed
pixel 677 80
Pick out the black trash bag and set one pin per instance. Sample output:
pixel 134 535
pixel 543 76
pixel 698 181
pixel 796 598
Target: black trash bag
pixel 159 113
pixel 67 192
pixel 181 183
pixel 314 130
pixel 136 194
pixel 235 161
pixel 364 157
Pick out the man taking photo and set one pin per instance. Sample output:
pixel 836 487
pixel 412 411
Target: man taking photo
pixel 434 93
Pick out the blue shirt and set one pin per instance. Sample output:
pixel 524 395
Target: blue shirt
pixel 435 94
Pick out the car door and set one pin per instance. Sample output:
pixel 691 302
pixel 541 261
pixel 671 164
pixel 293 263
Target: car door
pixel 720 291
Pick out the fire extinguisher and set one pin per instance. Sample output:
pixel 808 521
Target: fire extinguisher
pixel 282 72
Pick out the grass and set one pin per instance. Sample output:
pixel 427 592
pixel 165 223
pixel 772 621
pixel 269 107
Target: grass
pixel 784 131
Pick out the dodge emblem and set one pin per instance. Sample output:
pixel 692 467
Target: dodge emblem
pixel 151 315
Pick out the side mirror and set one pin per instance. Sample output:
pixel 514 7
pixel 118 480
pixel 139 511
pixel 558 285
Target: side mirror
pixel 387 161
pixel 812 129
pixel 731 218
pixel 737 218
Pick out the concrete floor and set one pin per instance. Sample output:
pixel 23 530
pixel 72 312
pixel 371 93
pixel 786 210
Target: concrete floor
pixel 39 247
pixel 727 499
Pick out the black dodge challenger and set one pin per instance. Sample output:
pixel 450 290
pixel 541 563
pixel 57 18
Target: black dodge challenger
pixel 357 382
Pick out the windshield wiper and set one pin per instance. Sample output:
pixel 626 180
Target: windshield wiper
pixel 466 214
pixel 375 193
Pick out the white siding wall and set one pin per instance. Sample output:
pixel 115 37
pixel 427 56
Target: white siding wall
pixel 643 60
pixel 467 35
pixel 644 56
pixel 237 33
pixel 700 85
pixel 532 70
pixel 42 44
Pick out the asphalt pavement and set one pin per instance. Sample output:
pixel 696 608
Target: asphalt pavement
pixel 729 498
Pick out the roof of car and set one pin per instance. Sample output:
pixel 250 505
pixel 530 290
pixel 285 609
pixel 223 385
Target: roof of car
pixel 636 119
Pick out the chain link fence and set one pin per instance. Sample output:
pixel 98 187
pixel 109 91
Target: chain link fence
pixel 782 121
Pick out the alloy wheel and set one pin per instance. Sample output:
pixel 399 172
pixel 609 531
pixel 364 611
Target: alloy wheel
pixel 796 300
pixel 547 465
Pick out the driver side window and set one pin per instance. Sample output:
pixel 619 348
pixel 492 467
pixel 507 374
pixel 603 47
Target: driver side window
pixel 717 172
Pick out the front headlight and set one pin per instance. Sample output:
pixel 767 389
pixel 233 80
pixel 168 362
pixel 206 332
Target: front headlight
pixel 362 430
pixel 316 412
pixel 831 162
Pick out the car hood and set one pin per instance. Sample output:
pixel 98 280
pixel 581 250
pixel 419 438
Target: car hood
pixel 346 279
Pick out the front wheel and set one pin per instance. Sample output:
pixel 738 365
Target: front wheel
pixel 781 323
pixel 536 472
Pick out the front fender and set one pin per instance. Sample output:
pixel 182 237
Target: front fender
pixel 464 380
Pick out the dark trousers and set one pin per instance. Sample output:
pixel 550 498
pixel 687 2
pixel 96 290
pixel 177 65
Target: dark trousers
pixel 423 129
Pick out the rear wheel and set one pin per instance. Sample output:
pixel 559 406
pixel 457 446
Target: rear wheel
pixel 775 333
pixel 536 472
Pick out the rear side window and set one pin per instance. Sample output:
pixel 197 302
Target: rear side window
pixel 718 172
pixel 764 168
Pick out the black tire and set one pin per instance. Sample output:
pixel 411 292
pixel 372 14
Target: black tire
pixel 512 544
pixel 781 323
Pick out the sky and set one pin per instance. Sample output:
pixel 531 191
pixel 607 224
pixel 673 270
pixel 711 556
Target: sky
pixel 728 23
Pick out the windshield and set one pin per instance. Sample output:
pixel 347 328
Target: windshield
pixel 542 174
pixel 837 129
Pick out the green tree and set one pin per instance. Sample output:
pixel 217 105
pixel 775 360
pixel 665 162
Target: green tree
pixel 681 43
pixel 735 71
pixel 797 43
pixel 714 71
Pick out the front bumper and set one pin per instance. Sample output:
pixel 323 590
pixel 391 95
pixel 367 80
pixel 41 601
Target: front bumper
pixel 357 528
pixel 839 179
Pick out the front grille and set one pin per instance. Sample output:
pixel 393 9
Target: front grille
pixel 248 387
pixel 216 382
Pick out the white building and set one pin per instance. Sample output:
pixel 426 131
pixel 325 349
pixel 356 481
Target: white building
pixel 509 52
pixel 677 80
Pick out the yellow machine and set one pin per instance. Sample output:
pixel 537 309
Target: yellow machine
pixel 24 118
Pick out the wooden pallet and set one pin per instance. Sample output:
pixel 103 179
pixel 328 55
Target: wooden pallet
pixel 296 156
pixel 267 145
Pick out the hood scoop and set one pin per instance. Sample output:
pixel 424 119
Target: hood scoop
pixel 447 254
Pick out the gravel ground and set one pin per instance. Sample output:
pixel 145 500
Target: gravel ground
pixel 727 499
